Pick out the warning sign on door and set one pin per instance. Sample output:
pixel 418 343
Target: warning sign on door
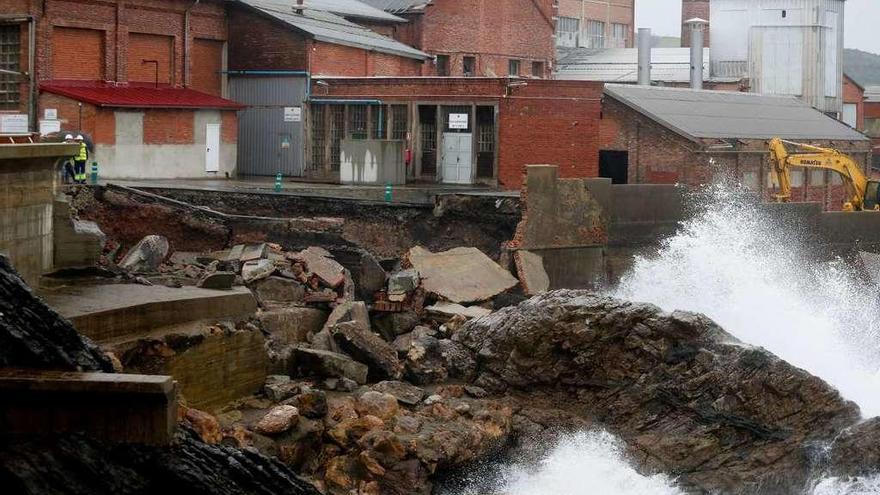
pixel 293 114
pixel 458 121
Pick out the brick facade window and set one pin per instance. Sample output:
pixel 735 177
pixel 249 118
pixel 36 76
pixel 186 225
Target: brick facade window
pixel 399 122
pixel 469 65
pixel 537 69
pixel 10 59
pixel 513 67
pixel 319 144
pixel 595 34
pixel 618 35
pixel 443 65
pixel 357 122
pixel 568 31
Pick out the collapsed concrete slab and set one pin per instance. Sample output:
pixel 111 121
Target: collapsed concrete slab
pixel 255 270
pixel 447 310
pixel 304 361
pixel 76 243
pixel 319 263
pixel 369 348
pixel 460 275
pixel 292 325
pixel 278 290
pixel 532 275
pixel 146 255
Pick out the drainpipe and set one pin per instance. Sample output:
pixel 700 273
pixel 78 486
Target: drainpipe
pixel 186 47
pixel 644 57
pixel 32 77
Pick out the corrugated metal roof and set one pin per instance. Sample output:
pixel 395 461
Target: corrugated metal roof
pixel 399 6
pixel 329 27
pixel 622 64
pixel 723 114
pixel 351 8
pixel 872 94
pixel 137 96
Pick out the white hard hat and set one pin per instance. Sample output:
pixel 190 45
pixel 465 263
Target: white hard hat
pixel 79 137
pixel 69 136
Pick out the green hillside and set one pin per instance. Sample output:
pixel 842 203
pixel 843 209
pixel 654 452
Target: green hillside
pixel 864 67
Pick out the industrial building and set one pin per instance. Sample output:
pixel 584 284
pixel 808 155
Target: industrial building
pixel 142 80
pixel 669 135
pixel 872 120
pixel 449 130
pixel 595 24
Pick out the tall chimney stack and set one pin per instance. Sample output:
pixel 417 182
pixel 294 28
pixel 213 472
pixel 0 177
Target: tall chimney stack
pixel 691 9
pixel 644 57
pixel 695 27
pixel 299 10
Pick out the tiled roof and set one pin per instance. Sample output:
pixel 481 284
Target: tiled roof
pixel 137 95
pixel 622 64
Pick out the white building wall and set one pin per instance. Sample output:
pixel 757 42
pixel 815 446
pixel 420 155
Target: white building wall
pixel 788 47
pixel 130 158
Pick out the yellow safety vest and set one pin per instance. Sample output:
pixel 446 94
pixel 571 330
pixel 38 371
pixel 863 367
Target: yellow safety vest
pixel 83 152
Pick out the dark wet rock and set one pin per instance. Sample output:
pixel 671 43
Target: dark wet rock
pixel 856 452
pixel 78 465
pixel 217 280
pixel 311 403
pixel 325 363
pixel 392 325
pixel 278 290
pixel 404 392
pixel 686 396
pixel 32 335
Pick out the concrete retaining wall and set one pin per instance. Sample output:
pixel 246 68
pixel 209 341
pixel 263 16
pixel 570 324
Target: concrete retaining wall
pixel 27 187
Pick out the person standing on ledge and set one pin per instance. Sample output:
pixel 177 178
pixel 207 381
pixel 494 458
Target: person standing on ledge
pixel 79 160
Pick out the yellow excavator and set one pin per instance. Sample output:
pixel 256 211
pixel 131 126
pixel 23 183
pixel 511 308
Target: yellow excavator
pixel 862 193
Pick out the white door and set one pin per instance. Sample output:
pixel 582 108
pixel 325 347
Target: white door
pixel 850 114
pixel 212 148
pixel 457 158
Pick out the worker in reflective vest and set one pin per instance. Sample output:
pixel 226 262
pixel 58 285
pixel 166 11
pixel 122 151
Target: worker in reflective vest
pixel 79 161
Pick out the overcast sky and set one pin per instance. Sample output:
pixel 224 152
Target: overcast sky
pixel 664 18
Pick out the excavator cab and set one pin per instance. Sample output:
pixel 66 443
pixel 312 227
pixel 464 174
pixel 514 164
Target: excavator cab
pixel 872 196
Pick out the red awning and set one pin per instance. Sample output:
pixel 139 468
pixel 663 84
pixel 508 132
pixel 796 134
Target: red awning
pixel 137 95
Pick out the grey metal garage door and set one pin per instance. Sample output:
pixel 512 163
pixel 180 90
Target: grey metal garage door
pixel 270 130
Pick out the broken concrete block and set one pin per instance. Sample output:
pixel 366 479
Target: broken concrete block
pixel 532 276
pixel 77 243
pixel 234 253
pixel 460 275
pixel 403 392
pixel 371 278
pixel 369 348
pixel 390 325
pixel 252 252
pixel 448 310
pixel 402 283
pixel 185 258
pixel 255 270
pixel 326 363
pixel 217 280
pixel 292 325
pixel 319 262
pixel 146 255
pixel 278 290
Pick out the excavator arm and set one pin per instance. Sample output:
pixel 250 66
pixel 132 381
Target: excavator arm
pixel 858 187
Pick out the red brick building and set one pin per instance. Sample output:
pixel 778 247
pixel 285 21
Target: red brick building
pixel 872 120
pixel 282 36
pixel 490 38
pixel 143 79
pixel 853 113
pixel 458 130
pixel 653 135
pixel 694 9
pixel 595 23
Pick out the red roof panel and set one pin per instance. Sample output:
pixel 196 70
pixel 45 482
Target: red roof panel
pixel 137 96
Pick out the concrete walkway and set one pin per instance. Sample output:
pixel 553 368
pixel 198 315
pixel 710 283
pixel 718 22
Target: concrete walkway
pixel 410 193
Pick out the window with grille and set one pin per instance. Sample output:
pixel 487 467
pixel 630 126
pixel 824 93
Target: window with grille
pixel 10 59
pixel 443 65
pixel 319 142
pixel 469 65
pixel 537 69
pixel 567 31
pixel 399 122
pixel 618 35
pixel 337 131
pixel 513 67
pixel 357 121
pixel 595 34
pixel 378 122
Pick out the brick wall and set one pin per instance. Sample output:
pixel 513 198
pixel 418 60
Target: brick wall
pixel 146 47
pixel 229 127
pixel 78 53
pixel 852 93
pixel 206 66
pixel 258 43
pixel 163 126
pixel 327 59
pixel 520 29
pixel 99 123
pixel 691 9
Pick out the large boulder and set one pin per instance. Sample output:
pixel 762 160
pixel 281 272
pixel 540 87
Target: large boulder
pixel 683 393
pixel 368 348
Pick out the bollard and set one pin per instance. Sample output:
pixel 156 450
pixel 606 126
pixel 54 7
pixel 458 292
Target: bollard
pixel 94 173
pixel 278 182
pixel 388 192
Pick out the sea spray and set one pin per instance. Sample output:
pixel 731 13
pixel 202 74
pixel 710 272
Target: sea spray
pixel 740 266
